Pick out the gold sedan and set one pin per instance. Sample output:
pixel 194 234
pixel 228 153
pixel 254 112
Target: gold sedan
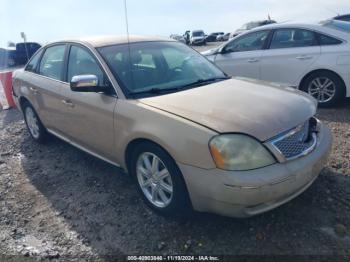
pixel 191 136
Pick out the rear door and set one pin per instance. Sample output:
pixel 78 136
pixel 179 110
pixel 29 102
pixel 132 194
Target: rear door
pixel 291 53
pixel 90 114
pixel 241 56
pixel 48 89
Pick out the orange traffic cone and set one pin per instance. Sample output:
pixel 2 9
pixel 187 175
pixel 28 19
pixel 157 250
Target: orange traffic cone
pixel 6 99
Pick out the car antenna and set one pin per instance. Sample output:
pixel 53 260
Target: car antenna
pixel 126 21
pixel 128 40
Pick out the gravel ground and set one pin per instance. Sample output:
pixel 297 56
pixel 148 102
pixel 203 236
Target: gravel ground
pixel 58 202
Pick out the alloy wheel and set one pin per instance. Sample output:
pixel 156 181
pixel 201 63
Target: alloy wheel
pixel 32 122
pixel 322 88
pixel 154 179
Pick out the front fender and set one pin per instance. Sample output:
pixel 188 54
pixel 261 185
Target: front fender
pixel 186 141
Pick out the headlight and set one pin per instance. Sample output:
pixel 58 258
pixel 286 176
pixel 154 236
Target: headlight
pixel 239 152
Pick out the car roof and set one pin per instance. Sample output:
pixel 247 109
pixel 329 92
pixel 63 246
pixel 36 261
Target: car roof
pixel 311 26
pixel 99 41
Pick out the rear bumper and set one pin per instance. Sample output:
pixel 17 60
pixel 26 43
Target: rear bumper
pixel 248 193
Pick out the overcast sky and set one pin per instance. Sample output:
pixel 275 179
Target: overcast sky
pixel 48 20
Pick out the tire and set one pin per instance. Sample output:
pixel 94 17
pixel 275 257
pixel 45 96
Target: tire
pixel 327 83
pixel 167 203
pixel 36 129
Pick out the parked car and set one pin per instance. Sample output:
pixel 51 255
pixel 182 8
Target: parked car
pixel 312 57
pixel 132 105
pixel 337 24
pixel 24 51
pixel 223 37
pixel 7 57
pixel 197 37
pixel 345 18
pixel 213 36
pixel 220 34
pixel 251 25
pixel 17 56
pixel 179 38
pixel 3 58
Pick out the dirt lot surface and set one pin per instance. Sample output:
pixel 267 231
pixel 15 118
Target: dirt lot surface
pixel 58 202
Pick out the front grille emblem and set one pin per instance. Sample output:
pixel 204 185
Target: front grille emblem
pixel 297 142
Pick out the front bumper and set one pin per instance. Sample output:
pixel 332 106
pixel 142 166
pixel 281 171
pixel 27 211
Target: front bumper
pixel 198 41
pixel 248 193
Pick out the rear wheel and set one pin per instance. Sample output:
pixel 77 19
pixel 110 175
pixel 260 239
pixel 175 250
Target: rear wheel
pixel 35 127
pixel 159 180
pixel 326 87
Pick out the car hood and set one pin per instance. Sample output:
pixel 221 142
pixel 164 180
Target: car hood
pixel 240 106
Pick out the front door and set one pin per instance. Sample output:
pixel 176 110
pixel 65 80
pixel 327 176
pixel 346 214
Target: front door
pixel 91 122
pixel 241 56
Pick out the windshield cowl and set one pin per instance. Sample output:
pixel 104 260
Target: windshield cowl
pixel 159 91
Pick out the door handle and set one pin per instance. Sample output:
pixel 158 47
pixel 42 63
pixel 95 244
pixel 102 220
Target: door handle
pixel 304 57
pixel 253 60
pixel 34 90
pixel 67 103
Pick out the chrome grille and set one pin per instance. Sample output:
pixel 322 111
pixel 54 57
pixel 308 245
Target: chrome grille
pixel 297 142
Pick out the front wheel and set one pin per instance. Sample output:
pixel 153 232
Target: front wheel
pixel 326 87
pixel 159 180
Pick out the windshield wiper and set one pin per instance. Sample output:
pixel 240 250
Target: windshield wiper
pixel 205 81
pixel 174 89
pixel 156 91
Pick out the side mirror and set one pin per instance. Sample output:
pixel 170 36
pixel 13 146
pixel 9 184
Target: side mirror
pixel 85 83
pixel 223 50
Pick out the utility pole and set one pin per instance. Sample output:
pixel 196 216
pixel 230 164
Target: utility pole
pixel 23 35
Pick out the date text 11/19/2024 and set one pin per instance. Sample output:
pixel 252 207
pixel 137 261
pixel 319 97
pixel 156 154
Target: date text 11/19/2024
pixel 173 258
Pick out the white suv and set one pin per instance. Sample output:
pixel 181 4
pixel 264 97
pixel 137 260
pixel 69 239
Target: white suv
pixel 197 37
pixel 314 58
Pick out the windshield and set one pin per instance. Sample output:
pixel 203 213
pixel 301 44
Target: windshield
pixel 198 33
pixel 339 25
pixel 161 66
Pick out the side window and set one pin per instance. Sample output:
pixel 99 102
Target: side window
pixel 51 63
pixel 32 65
pixel 81 62
pixel 287 38
pixel 327 40
pixel 249 42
